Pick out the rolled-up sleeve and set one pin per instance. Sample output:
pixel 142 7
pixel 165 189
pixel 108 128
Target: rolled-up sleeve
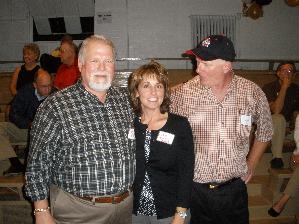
pixel 263 120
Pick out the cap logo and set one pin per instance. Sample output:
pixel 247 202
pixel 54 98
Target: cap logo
pixel 206 42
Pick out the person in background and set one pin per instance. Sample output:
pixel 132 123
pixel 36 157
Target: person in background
pixel 222 108
pixel 22 111
pixel 292 187
pixel 290 191
pixel 164 151
pixel 51 62
pixel 25 74
pixel 65 38
pixel 68 72
pixel 81 154
pixel 283 97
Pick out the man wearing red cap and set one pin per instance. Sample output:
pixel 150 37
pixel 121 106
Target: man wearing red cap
pixel 222 108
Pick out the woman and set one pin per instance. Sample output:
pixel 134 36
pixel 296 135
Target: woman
pixel 25 74
pixel 290 191
pixel 164 151
pixel 292 187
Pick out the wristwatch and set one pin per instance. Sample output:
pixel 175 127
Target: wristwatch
pixel 182 214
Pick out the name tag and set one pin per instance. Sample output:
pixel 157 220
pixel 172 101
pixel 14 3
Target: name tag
pixel 246 120
pixel 165 137
pixel 131 134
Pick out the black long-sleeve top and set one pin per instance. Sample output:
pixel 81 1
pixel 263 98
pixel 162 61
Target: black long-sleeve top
pixel 24 106
pixel 170 166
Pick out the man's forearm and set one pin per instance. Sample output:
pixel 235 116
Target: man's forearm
pixel 41 204
pixel 42 212
pixel 253 158
pixel 277 105
pixel 256 152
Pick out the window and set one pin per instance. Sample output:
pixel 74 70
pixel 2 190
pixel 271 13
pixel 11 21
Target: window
pixel 204 25
pixel 58 29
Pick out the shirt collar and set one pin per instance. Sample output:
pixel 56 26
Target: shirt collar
pixel 196 82
pixel 39 97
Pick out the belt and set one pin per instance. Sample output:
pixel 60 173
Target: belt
pixel 112 200
pixel 214 185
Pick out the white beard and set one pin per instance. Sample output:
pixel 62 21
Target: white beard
pixel 96 86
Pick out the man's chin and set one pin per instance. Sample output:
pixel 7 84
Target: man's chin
pixel 99 87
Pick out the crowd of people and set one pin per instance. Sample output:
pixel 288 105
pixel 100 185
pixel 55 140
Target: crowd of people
pixel 148 153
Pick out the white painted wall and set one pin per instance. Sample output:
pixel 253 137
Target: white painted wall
pixel 155 28
pixel 15 29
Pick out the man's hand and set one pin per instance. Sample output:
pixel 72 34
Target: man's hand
pixel 249 174
pixel 286 82
pixel 44 218
pixel 255 154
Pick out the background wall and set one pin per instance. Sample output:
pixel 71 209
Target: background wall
pixel 154 28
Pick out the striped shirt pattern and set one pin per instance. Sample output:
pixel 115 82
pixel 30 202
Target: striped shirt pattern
pixel 81 144
pixel 221 129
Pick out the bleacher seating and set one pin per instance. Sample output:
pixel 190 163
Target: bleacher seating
pixel 264 188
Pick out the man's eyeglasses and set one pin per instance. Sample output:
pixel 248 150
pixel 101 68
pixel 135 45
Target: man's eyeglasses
pixel 63 50
pixel 288 71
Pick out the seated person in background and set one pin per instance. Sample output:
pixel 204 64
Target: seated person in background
pixel 290 191
pixel 292 187
pixel 283 97
pixel 25 74
pixel 22 111
pixel 68 72
pixel 65 38
pixel 51 62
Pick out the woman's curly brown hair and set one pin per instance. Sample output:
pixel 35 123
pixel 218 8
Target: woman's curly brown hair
pixel 152 69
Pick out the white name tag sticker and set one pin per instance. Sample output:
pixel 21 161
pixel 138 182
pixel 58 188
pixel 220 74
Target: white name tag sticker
pixel 165 137
pixel 246 120
pixel 131 134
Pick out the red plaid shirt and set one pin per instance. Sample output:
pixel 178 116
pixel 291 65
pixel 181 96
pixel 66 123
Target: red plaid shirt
pixel 221 129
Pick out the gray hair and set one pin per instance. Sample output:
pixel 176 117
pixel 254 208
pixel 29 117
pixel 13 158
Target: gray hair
pixel 96 37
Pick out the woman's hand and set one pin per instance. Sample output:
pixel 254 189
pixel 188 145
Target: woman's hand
pixel 177 219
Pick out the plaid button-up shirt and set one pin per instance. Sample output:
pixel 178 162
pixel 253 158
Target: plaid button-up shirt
pixel 81 144
pixel 221 129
